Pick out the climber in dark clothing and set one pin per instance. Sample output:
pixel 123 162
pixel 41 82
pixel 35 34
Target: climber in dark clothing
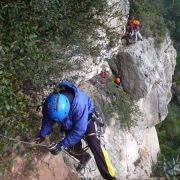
pixel 73 110
pixel 127 37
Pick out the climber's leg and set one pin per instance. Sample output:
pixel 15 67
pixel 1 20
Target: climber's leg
pixel 136 35
pixel 139 35
pixel 77 152
pixel 128 39
pixel 132 33
pixel 100 154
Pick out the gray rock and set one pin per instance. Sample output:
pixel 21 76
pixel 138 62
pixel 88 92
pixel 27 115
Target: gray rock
pixel 147 76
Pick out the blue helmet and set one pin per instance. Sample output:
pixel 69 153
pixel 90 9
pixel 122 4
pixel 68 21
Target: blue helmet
pixel 57 107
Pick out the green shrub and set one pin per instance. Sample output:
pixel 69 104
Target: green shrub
pixel 150 13
pixel 169 140
pixel 167 168
pixel 169 132
pixel 172 15
pixel 34 40
pixel 115 100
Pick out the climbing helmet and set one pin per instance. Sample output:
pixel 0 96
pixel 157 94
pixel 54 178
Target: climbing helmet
pixel 57 107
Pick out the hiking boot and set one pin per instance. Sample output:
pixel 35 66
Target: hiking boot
pixel 114 178
pixel 83 163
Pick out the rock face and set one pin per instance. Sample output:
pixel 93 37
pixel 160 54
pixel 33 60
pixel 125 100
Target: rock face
pixel 146 72
pixel 115 18
pixel 54 168
pixel 47 167
pixel 176 91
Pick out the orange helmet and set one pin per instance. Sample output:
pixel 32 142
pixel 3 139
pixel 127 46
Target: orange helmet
pixel 117 80
pixel 136 22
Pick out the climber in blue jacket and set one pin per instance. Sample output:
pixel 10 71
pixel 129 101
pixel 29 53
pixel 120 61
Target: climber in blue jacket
pixel 73 110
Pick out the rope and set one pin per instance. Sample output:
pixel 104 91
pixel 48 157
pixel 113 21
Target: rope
pixel 41 145
pixel 23 142
pixel 46 146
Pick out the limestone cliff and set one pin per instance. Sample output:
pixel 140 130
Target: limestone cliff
pixel 147 76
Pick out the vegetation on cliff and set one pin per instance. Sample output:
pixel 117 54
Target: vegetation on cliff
pixel 33 42
pixel 115 100
pixel 37 41
pixel 150 13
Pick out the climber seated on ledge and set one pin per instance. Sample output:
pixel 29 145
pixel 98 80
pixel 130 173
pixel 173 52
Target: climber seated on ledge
pixel 132 31
pixel 72 109
pixel 134 26
pixel 118 82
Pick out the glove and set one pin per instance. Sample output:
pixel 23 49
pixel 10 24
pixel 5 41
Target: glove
pixel 55 148
pixel 39 139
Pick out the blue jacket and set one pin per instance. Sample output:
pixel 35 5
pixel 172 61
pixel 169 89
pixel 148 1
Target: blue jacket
pixel 76 123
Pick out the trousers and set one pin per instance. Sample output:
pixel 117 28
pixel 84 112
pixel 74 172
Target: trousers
pixel 100 154
pixel 137 34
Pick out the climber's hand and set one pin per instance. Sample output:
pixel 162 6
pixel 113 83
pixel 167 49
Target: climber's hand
pixel 39 140
pixel 55 148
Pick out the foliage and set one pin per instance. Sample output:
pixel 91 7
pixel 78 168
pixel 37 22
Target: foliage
pixel 150 13
pixel 172 16
pixel 35 40
pixel 169 139
pixel 169 133
pixel 167 168
pixel 115 100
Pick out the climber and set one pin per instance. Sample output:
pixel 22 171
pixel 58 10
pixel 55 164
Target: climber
pixel 118 82
pixel 134 26
pixel 103 77
pixel 127 37
pixel 74 111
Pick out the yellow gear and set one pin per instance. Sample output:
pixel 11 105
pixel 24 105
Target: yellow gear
pixel 110 167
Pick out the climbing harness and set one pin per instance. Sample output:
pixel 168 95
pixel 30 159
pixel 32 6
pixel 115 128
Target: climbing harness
pixel 99 124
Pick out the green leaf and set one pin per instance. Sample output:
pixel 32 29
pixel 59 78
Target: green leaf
pixel 33 36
